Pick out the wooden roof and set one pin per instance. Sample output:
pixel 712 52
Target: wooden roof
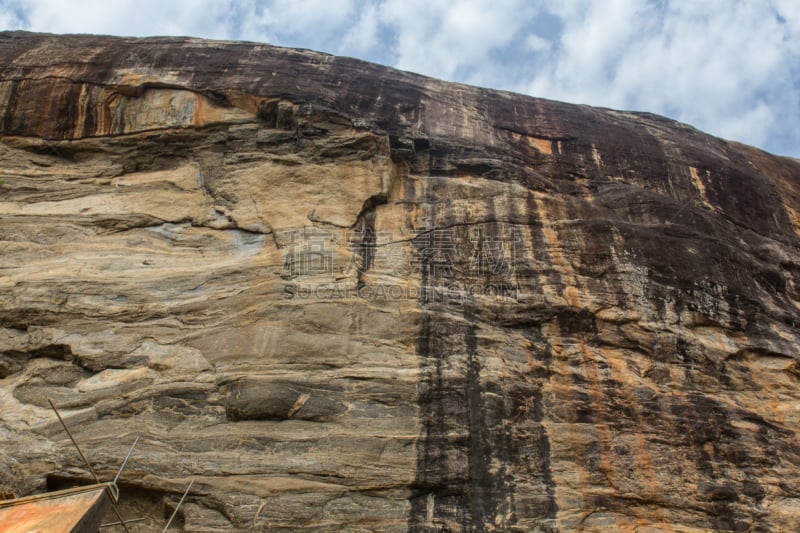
pixel 75 510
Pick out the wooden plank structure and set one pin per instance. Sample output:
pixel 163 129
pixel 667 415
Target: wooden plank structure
pixel 75 510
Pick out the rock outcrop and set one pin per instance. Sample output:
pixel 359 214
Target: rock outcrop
pixel 343 297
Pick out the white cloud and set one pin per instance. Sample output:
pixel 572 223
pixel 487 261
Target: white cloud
pixel 730 68
pixel 315 24
pixel 126 17
pixel 11 14
pixel 362 37
pixel 534 43
pixel 452 40
pixel 720 66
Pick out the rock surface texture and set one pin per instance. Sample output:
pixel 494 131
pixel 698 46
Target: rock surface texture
pixel 343 297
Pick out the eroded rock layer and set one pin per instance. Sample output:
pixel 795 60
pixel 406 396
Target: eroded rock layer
pixel 344 297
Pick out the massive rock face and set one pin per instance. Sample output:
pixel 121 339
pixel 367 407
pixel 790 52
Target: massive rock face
pixel 343 297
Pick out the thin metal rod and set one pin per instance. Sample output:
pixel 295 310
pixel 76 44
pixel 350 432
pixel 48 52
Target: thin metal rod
pixel 121 468
pixel 119 517
pixel 126 522
pixel 74 442
pixel 85 460
pixel 178 506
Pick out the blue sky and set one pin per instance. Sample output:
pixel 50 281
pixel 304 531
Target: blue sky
pixel 731 68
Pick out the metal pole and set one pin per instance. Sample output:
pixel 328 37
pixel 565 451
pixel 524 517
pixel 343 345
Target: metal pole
pixel 85 460
pixel 125 461
pixel 178 506
pixel 126 522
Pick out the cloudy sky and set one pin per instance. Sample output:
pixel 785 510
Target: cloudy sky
pixel 729 67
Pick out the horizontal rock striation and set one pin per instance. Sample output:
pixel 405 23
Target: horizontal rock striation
pixel 344 297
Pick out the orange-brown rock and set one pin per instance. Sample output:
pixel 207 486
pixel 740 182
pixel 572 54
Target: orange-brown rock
pixel 344 297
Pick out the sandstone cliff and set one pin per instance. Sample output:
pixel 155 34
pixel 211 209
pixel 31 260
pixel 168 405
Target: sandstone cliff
pixel 344 297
